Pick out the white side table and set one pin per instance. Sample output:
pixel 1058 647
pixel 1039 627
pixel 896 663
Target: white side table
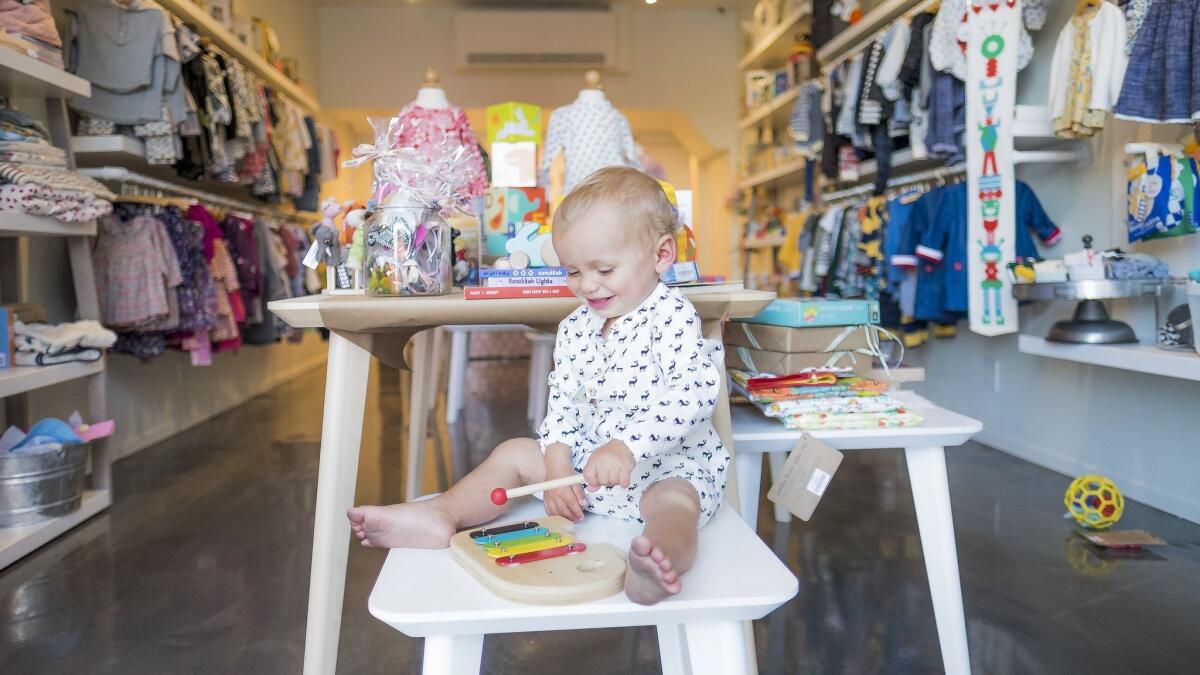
pixel 924 449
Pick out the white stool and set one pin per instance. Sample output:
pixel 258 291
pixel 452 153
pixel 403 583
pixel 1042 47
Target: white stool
pixel 924 446
pixel 540 361
pixel 460 348
pixel 701 630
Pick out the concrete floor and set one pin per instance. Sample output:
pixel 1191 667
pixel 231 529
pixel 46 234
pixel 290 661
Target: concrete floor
pixel 202 565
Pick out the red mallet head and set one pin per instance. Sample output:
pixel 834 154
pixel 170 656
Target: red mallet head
pixel 499 496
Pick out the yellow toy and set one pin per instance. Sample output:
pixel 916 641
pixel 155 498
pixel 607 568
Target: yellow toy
pixel 1094 502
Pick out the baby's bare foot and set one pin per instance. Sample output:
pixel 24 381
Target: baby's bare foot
pixel 412 525
pixel 650 576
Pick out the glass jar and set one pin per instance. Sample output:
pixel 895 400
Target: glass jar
pixel 1173 317
pixel 408 251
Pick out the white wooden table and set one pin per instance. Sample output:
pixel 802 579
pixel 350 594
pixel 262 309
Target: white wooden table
pixel 736 578
pixel 924 449
pixel 362 327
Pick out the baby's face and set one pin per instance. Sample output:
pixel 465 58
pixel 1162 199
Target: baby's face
pixel 609 265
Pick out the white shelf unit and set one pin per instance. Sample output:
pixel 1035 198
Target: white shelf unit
pixel 790 173
pixel 108 150
pixel 18 542
pixel 21 380
pixel 778 110
pixel 1138 358
pixel 22 76
pixel 775 45
pixel 17 224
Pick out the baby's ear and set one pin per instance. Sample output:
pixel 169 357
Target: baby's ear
pixel 664 254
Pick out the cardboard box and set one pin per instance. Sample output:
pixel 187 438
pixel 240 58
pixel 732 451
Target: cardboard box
pixel 802 313
pixel 505 210
pixel 781 363
pixel 513 122
pixel 797 340
pixel 7 324
pixel 514 164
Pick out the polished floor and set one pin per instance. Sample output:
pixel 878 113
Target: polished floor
pixel 202 565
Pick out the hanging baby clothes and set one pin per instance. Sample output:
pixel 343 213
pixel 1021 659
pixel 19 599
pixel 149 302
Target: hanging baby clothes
pixel 424 127
pixel 240 242
pixel 591 134
pixel 1160 85
pixel 1086 72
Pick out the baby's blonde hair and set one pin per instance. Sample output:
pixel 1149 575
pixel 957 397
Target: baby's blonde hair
pixel 638 197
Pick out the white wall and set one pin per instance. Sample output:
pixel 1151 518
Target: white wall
pixel 1076 418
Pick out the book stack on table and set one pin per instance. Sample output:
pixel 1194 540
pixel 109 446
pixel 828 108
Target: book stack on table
pixel 534 282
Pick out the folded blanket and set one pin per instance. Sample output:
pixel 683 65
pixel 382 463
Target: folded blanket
pixel 83 354
pixel 57 338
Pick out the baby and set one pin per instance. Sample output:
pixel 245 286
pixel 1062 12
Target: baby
pixel 631 399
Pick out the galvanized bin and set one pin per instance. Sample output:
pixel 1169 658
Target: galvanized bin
pixel 41 486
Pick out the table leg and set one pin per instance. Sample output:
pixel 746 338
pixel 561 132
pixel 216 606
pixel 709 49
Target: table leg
pixel 341 432
pixel 749 477
pixel 456 384
pixel 452 655
pixel 672 649
pixel 418 412
pixel 931 497
pixel 717 647
pixel 777 460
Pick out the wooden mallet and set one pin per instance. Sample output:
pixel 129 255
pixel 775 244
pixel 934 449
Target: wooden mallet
pixel 501 495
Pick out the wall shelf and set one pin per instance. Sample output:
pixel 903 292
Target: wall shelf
pixel 777 111
pixel 19 380
pixel 784 174
pixel 17 542
pixel 775 46
pixel 18 224
pixel 106 150
pixel 1138 358
pixel 25 76
pixel 195 15
pixel 852 40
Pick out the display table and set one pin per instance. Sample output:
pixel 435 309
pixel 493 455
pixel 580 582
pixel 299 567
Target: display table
pixel 362 327
pixel 924 449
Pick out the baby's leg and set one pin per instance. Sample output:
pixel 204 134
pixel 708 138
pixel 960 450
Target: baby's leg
pixel 667 547
pixel 431 523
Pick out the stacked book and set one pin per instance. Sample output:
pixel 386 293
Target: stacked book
pixel 793 335
pixel 534 282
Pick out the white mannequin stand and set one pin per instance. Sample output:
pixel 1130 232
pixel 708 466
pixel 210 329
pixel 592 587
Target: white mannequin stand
pixel 591 95
pixel 432 97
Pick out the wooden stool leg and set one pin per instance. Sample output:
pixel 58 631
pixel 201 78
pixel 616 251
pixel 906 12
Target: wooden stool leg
pixel 717 648
pixel 418 412
pixel 931 498
pixel 452 655
pixel 456 385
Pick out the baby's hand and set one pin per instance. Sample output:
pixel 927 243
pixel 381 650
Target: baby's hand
pixel 568 501
pixel 611 464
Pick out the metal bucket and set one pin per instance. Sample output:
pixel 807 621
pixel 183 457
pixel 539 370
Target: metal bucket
pixel 37 487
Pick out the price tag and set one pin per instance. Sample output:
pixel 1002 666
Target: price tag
pixel 805 476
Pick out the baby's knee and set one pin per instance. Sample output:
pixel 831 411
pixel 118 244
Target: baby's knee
pixel 517 449
pixel 671 493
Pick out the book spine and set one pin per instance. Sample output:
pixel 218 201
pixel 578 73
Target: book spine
pixel 525 282
pixel 530 273
pixel 490 293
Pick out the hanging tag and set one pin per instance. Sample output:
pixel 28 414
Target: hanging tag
pixel 806 474
pixel 310 259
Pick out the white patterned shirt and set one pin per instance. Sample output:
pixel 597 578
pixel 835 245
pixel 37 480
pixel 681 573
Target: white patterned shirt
pixel 652 384
pixel 592 135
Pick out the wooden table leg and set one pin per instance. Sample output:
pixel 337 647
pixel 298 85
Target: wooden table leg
pixel 931 497
pixel 452 655
pixel 418 412
pixel 341 432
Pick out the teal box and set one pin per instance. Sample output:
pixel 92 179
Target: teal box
pixel 815 312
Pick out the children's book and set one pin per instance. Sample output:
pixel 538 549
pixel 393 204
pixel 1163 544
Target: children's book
pixel 802 313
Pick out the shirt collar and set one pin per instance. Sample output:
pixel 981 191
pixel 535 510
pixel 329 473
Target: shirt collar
pixel 632 319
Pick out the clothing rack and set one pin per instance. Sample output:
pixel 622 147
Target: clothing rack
pixel 940 173
pixel 860 35
pixel 116 174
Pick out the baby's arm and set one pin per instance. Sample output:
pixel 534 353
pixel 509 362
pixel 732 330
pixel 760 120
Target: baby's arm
pixel 693 382
pixel 559 434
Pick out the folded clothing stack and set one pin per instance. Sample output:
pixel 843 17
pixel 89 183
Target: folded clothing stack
pixel 823 398
pixel 34 177
pixel 28 28
pixel 40 344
